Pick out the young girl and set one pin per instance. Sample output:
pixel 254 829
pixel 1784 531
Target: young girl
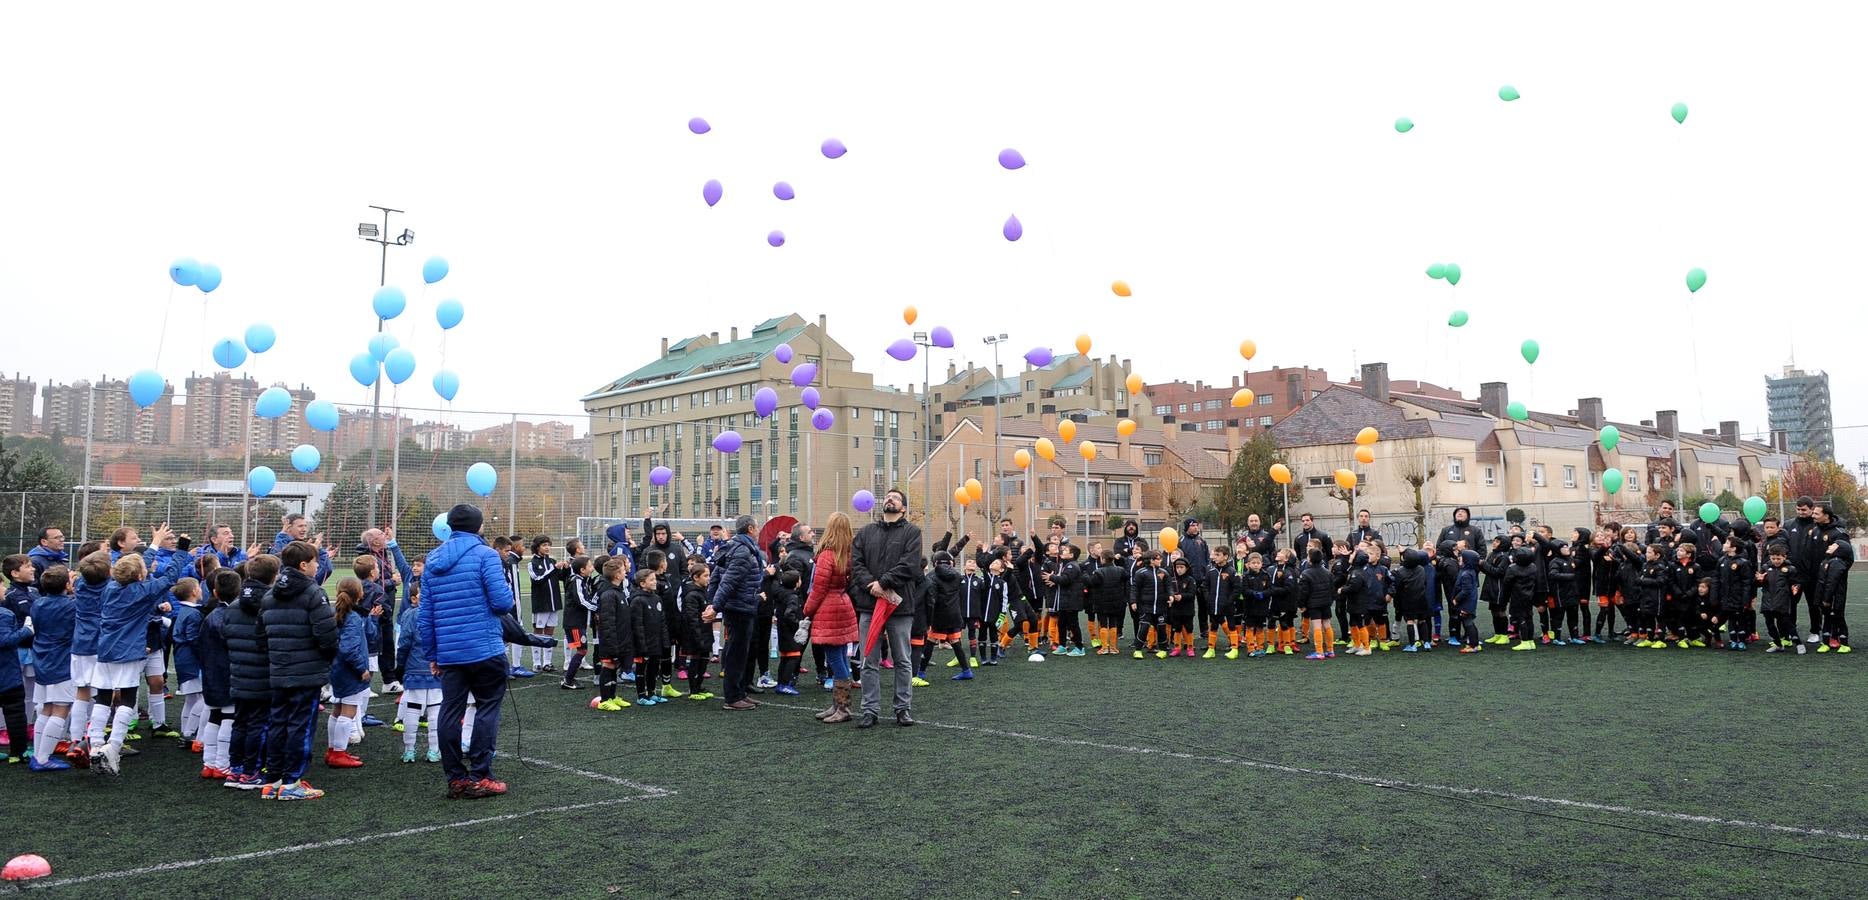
pixel 421 691
pixel 1465 611
pixel 185 633
pixel 577 611
pixel 350 676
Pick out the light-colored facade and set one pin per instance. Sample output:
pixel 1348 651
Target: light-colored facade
pixel 1799 406
pixel 16 402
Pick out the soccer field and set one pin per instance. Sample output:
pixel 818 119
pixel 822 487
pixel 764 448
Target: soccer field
pixel 1585 771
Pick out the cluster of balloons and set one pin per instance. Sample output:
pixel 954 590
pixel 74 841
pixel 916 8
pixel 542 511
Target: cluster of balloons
pixel 1448 271
pixel 204 277
pixel 967 494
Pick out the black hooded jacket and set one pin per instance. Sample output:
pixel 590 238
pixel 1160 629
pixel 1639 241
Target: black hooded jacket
pixel 301 632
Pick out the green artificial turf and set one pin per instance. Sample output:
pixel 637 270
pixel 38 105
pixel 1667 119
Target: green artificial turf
pixel 1400 775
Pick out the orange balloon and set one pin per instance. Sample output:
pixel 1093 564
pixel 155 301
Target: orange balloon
pixel 1083 344
pixel 1242 397
pixel 1345 479
pixel 1045 448
pixel 1280 473
pixel 1368 435
pixel 1121 288
pixel 1134 384
pixel 910 314
pixel 961 497
pixel 1087 450
pixel 975 490
pixel 1248 348
pixel 1170 540
pixel 1365 454
pixel 1067 430
pixel 1023 458
pixel 1125 427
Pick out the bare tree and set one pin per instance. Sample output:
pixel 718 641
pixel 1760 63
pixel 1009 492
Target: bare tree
pixel 1418 470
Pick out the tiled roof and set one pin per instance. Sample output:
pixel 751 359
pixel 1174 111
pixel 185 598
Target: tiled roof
pixel 1007 387
pixel 1334 417
pixel 1074 379
pixel 682 361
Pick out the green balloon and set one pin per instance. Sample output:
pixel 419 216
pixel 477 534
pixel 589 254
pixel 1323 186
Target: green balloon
pixel 1709 512
pixel 1517 411
pixel 1755 509
pixel 1695 279
pixel 1405 124
pixel 1612 481
pixel 1679 113
pixel 1457 319
pixel 1611 437
pixel 1436 271
pixel 1508 93
pixel 1452 273
pixel 1529 350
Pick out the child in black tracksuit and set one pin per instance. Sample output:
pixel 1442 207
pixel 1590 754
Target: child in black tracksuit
pixel 1781 590
pixel 1410 592
pixel 585 586
pixel 1832 591
pixel 1606 583
pixel 975 603
pixel 647 629
pixel 1492 591
pixel 1253 585
pixel 615 652
pixel 788 607
pixel 1563 583
pixel 1186 599
pixel 1738 586
pixel 946 616
pixel 693 631
pixel 1686 616
pixel 1149 592
pixel 1109 595
pixel 1520 591
pixel 1652 584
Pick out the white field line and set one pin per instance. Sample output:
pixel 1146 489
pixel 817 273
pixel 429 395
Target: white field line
pixel 1374 781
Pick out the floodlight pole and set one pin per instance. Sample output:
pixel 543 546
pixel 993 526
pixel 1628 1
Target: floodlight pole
pixel 376 400
pixel 927 433
pixel 998 412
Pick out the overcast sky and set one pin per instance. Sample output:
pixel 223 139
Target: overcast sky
pixel 1236 163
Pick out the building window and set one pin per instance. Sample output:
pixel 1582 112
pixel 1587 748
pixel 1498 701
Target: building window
pixel 1594 481
pixel 1264 421
pixel 1264 400
pixel 1656 480
pixel 1031 385
pixel 1163 410
pixel 856 473
pixel 1151 457
pixel 1537 474
pixel 1569 476
pixel 856 443
pixel 1119 495
pixel 1212 425
pixel 1728 484
pixel 1181 408
pixel 1455 469
pixel 1089 494
pixel 1709 484
pixel 1491 476
pixel 1030 408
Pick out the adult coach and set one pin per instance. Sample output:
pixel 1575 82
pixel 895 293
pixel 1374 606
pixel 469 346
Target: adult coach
pixel 736 597
pixel 464 593
pixel 886 558
pixel 1462 529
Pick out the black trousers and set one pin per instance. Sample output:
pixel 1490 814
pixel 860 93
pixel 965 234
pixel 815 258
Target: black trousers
pixel 13 707
pixel 246 750
pixel 734 669
pixel 485 682
pixel 760 651
pixel 290 721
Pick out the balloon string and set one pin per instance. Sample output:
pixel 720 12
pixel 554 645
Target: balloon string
pixel 1692 340
pixel 164 334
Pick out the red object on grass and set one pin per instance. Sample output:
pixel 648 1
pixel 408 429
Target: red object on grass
pixel 25 867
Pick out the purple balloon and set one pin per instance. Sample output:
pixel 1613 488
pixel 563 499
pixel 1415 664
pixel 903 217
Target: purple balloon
pixel 776 239
pixel 1011 159
pixel 727 442
pixel 863 501
pixel 1014 229
pixel 803 374
pixel 941 337
pixel 711 191
pixel 903 350
pixel 1039 357
pixel 834 148
pixel 782 353
pixel 809 398
pixel 783 191
pixel 764 402
pixel 661 475
pixel 699 125
pixel 823 419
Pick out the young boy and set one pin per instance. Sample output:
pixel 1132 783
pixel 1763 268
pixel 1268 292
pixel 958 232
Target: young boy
pixel 14 634
pixel 1738 587
pixel 53 617
pixel 585 584
pixel 509 558
pixel 421 690
pixel 788 608
pixel 130 602
pixel 87 730
pixel 1183 600
pixel 614 651
pixel 1216 604
pixel 1781 590
pixel 1653 583
pixel 646 630
pixel 185 634
pixel 301 641
pixel 1832 591
pixel 22 589
pixel 216 679
pixel 1519 589
pixel 1149 591
pixel 548 580
pixel 694 629
pixel 1563 583
pixel 249 674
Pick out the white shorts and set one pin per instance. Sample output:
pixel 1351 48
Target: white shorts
pixel 153 665
pixel 112 676
pixel 62 692
pixel 425 697
pixel 544 620
pixel 191 686
pixel 360 698
pixel 82 668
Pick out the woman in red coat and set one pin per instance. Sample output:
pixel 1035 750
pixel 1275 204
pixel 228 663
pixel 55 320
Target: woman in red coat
pixel 833 619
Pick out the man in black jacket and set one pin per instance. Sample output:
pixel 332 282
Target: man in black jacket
pixel 1300 542
pixel 1806 540
pixel 1363 530
pixel 301 641
pixel 886 560
pixel 1462 529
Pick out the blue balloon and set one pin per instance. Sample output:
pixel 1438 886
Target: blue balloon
pixel 389 302
pixel 448 313
pixel 481 479
pixel 447 384
pixel 273 402
pixel 306 458
pixel 261 481
pixel 146 388
pixel 363 369
pixel 434 269
pixel 399 365
pixel 321 415
pixel 440 527
pixel 208 278
pixel 260 337
pixel 228 354
pixel 185 271
pixel 380 345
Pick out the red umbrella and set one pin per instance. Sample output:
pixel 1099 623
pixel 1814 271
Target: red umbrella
pixel 774 527
pixel 885 607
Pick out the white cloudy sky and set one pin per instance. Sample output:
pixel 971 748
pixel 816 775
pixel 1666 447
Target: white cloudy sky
pixel 1236 163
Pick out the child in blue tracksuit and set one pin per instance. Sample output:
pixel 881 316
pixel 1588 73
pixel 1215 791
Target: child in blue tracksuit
pixel 217 677
pixel 421 690
pixel 21 590
pixel 1465 611
pixel 53 614
pixel 133 598
pixel 350 676
pixel 184 633
pixel 13 635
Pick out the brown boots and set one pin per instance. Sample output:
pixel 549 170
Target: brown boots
pixel 839 703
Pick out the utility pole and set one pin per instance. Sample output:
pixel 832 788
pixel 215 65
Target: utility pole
pixel 998 413
pixel 369 232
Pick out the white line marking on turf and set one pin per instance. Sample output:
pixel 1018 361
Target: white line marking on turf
pixel 649 791
pixel 346 841
pixel 1374 781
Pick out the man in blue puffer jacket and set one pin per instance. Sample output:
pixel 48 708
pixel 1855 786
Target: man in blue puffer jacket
pixel 464 594
pixel 741 568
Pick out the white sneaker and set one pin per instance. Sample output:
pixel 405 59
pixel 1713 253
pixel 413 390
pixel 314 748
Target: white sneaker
pixel 112 759
pixel 394 687
pixel 767 682
pixel 1801 649
pixel 1813 639
pixel 324 694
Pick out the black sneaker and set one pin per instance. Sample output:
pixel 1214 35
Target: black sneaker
pixel 570 685
pixel 903 719
pixel 867 721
